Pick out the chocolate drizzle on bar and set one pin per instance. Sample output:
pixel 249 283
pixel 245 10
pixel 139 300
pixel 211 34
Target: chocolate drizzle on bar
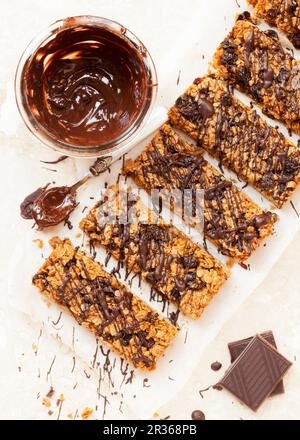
pixel 255 373
pixel 86 86
pixel 174 266
pixel 256 63
pixel 26 207
pixel 172 164
pixel 238 137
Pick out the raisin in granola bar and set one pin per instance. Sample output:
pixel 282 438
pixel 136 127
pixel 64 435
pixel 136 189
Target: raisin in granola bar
pixel 255 62
pixel 233 222
pixel 104 306
pixel 284 14
pixel 173 264
pixel 239 138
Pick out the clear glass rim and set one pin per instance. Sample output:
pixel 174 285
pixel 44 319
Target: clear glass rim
pixel 126 137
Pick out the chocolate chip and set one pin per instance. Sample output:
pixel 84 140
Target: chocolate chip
pixel 243 76
pixel 295 39
pixel 283 75
pixel 290 166
pixel 148 343
pixel 255 92
pixel 249 236
pixel 262 219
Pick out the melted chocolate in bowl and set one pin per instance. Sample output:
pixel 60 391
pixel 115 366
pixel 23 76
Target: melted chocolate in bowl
pixel 86 86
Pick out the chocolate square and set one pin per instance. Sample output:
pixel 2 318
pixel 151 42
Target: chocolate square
pixel 237 347
pixel 255 373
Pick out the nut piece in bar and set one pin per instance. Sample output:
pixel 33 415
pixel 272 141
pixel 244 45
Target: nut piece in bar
pixel 255 373
pixel 239 138
pixel 232 221
pixel 104 306
pixel 173 264
pixel 284 14
pixel 237 347
pixel 256 63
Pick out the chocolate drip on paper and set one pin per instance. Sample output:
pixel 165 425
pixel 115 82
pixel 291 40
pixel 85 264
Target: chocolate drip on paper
pixel 79 292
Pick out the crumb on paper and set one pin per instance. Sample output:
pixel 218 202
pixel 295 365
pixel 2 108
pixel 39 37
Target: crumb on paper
pixel 78 235
pixel 156 414
pixel 39 242
pixel 70 416
pixel 50 413
pixel 86 413
pixel 34 347
pixel 46 402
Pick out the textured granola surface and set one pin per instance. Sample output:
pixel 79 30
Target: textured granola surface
pixel 255 62
pixel 231 220
pixel 162 255
pixel 104 306
pixel 284 14
pixel 239 138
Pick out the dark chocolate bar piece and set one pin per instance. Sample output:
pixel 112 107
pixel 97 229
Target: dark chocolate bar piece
pixel 255 373
pixel 237 347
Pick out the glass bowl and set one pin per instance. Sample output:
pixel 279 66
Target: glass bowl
pixel 114 146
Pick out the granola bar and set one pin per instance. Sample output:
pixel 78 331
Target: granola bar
pixel 173 264
pixel 231 220
pixel 284 14
pixel 239 138
pixel 255 62
pixel 104 306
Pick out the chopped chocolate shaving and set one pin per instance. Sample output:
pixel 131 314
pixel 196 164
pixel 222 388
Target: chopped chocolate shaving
pixel 233 222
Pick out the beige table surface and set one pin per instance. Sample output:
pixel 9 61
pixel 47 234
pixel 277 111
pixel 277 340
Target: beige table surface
pixel 23 375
